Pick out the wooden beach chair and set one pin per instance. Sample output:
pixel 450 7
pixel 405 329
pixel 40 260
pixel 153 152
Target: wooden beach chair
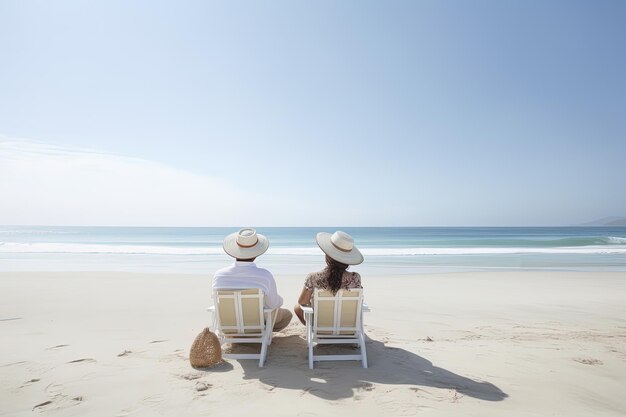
pixel 239 317
pixel 336 319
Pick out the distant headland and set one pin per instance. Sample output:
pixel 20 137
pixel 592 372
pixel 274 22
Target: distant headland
pixel 608 221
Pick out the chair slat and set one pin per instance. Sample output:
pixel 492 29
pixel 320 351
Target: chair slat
pixel 241 318
pixel 336 319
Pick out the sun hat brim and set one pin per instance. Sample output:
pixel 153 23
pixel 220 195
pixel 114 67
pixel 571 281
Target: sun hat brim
pixel 233 249
pixel 353 257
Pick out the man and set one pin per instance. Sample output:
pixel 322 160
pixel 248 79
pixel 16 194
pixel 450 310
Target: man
pixel 245 246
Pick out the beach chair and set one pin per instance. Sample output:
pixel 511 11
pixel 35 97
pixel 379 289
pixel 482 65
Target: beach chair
pixel 239 317
pixel 336 319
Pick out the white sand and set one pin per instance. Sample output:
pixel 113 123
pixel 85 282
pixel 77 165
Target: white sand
pixel 505 344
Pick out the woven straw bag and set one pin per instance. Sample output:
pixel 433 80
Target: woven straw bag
pixel 205 350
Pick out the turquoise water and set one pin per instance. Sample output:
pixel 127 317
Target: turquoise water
pixel 293 250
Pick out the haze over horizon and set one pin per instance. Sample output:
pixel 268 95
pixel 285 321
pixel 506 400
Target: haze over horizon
pixel 298 114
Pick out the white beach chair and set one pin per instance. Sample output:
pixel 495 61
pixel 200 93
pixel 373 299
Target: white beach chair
pixel 336 319
pixel 239 317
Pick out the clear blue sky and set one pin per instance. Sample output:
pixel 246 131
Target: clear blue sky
pixel 329 113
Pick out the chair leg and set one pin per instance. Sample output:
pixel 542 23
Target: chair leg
pixel 263 352
pixel 213 325
pixel 309 339
pixel 271 318
pixel 271 329
pixel 363 350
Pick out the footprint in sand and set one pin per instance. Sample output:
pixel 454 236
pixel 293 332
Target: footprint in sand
pixel 29 382
pixel 191 376
pixel 32 380
pixel 366 386
pixel 57 400
pixel 87 360
pixel 11 319
pixel 589 361
pixel 202 386
pixel 361 388
pixel 56 347
pixel 421 391
pixel 43 404
pixel 152 400
pixel 173 357
pixel 12 363
pixel 455 396
pixel 54 388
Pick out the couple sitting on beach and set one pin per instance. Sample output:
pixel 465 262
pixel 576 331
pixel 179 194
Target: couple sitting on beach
pixel 246 245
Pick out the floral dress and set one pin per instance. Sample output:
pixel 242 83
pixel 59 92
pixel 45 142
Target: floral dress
pixel 318 280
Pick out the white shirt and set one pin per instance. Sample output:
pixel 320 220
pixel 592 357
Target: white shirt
pixel 248 275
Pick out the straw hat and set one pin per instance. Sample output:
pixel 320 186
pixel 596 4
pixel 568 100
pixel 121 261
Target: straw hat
pixel 245 244
pixel 205 350
pixel 340 247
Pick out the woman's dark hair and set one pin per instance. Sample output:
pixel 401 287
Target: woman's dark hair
pixel 335 273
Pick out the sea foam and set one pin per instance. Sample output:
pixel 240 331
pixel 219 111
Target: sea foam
pixel 88 248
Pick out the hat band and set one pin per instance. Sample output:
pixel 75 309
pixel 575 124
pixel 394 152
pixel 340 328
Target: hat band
pixel 248 246
pixel 341 249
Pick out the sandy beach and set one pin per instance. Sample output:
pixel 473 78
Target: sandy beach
pixel 480 344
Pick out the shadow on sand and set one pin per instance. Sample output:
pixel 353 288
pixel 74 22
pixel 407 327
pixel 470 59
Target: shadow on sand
pixel 220 367
pixel 287 368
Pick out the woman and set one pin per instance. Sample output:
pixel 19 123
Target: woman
pixel 340 253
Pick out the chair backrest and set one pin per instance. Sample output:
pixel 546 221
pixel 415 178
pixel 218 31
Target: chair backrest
pixel 239 311
pixel 338 314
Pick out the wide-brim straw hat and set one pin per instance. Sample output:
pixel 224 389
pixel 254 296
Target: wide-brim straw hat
pixel 245 244
pixel 340 247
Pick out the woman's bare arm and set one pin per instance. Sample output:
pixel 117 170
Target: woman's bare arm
pixel 305 297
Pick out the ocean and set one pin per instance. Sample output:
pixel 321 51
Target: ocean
pixel 387 250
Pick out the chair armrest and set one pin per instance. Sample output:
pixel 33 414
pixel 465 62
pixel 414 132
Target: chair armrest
pixel 307 309
pixel 212 309
pixel 365 308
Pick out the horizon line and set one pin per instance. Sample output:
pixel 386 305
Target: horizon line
pixel 310 227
